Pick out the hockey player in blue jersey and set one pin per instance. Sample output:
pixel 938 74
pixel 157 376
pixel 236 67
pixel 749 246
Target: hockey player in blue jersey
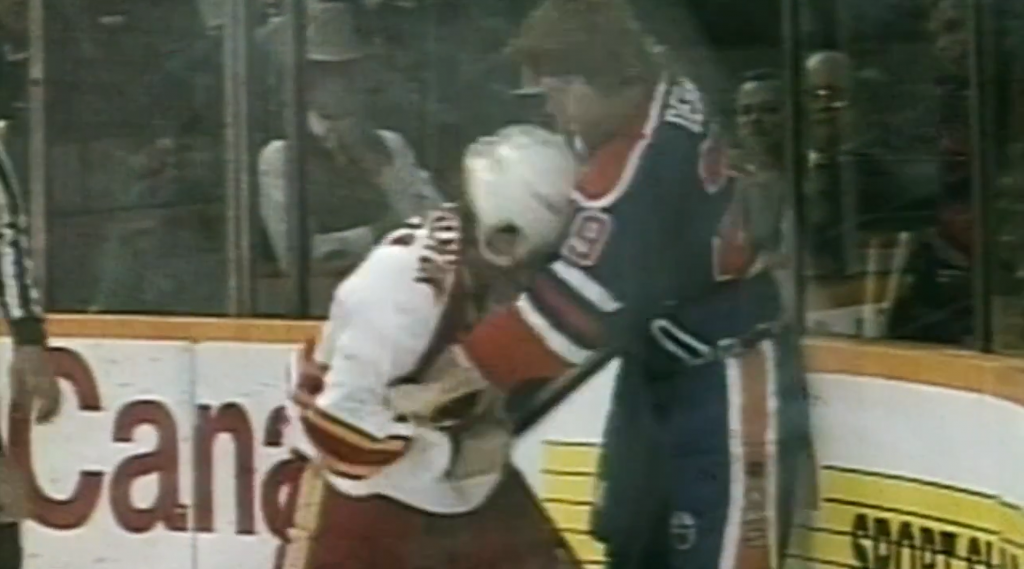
pixel 709 423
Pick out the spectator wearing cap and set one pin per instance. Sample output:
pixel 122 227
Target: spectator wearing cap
pixel 360 181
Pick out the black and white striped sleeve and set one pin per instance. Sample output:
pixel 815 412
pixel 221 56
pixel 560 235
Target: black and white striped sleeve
pixel 19 297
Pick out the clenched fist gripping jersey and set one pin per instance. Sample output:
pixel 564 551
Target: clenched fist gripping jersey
pixel 387 321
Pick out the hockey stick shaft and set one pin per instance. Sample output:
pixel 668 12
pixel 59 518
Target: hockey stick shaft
pixel 551 394
pixel 539 403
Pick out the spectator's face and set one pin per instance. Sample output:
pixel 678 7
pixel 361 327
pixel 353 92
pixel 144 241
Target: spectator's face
pixel 828 92
pixel 13 17
pixel 949 28
pixel 759 116
pixel 335 90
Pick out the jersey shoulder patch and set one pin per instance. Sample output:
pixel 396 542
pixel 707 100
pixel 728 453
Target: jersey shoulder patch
pixel 588 234
pixel 410 231
pixel 684 106
pixel 442 251
pixel 436 240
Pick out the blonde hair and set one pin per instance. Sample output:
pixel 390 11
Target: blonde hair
pixel 599 40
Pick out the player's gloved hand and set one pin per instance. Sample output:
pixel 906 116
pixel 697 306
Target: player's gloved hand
pixel 452 397
pixel 449 393
pixel 481 445
pixel 35 391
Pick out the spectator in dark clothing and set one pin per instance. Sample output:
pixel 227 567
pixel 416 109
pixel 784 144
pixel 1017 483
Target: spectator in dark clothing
pixel 148 264
pixel 171 258
pixel 950 33
pixel 850 188
pixel 935 305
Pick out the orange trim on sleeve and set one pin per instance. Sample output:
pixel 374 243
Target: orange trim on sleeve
pixel 507 351
pixel 348 450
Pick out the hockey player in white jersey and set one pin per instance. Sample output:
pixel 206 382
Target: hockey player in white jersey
pixel 406 455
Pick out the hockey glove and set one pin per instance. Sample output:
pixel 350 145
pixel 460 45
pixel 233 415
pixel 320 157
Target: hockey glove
pixel 481 445
pixel 449 393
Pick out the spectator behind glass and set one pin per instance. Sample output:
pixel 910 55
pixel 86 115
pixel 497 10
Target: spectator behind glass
pixel 830 205
pixel 13 79
pixel 935 305
pixel 759 120
pixel 361 182
pixel 174 229
pixel 758 164
pixel 759 160
pixel 12 41
pixel 850 188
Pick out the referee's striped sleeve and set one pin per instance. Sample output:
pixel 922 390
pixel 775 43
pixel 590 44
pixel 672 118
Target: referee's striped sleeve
pixel 19 297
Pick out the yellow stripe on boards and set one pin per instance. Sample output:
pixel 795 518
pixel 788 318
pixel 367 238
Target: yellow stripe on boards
pixel 586 548
pixel 571 458
pixel 911 497
pixel 575 489
pixel 569 517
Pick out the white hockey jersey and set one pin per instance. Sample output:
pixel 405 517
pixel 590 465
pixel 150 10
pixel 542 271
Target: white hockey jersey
pixel 387 320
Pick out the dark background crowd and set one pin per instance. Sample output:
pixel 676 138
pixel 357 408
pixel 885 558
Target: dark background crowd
pixel 396 88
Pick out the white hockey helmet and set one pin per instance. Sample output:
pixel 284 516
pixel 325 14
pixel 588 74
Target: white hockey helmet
pixel 518 183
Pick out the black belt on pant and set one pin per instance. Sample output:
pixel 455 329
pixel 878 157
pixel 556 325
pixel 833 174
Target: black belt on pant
pixel 694 351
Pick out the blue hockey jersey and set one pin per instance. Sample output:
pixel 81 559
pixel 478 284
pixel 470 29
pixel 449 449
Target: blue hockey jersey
pixel 657 234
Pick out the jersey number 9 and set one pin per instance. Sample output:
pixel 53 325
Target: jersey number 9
pixel 588 235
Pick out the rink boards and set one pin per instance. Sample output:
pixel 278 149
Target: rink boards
pixel 169 454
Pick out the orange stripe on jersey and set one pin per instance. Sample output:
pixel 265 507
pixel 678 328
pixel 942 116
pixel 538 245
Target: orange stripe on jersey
pixel 346 448
pixel 607 166
pixel 507 351
pixel 612 164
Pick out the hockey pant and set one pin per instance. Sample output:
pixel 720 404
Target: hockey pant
pixel 723 469
pixel 329 530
